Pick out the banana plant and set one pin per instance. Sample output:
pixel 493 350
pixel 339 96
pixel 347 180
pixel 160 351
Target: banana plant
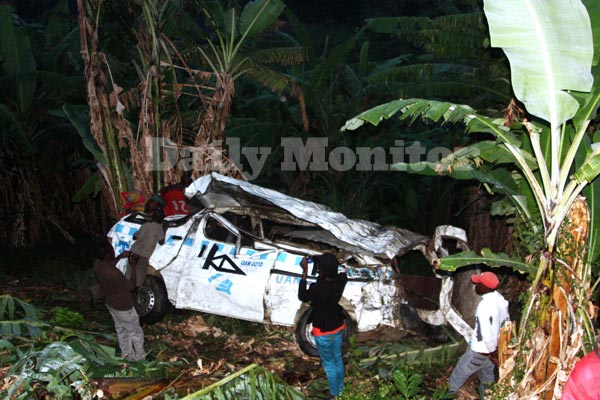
pixel 235 50
pixel 553 54
pixel 451 61
pixel 18 72
pixel 544 79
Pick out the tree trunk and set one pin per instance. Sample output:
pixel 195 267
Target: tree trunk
pixel 553 325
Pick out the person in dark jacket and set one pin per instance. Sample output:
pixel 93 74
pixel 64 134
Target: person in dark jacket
pixel 327 317
pixel 117 293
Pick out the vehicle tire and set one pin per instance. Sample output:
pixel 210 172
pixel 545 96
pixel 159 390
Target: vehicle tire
pixel 306 340
pixel 151 301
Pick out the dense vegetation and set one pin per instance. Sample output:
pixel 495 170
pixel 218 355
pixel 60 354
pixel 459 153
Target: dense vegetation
pixel 313 77
pixel 88 85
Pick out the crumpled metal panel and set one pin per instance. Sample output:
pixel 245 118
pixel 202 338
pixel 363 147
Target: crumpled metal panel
pixel 216 191
pixel 267 291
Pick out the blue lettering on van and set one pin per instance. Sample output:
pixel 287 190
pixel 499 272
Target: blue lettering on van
pixel 225 286
pixel 250 263
pixel 121 246
pixel 287 280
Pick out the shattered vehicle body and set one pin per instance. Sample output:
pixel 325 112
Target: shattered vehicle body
pixel 240 257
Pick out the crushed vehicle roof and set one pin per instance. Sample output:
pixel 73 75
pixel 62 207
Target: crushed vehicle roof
pixel 222 193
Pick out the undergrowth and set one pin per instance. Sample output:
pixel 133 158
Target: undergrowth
pixel 54 352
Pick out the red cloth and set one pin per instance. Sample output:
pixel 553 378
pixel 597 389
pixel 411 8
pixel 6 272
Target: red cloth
pixel 584 381
pixel 317 332
pixel 131 201
pixel 175 201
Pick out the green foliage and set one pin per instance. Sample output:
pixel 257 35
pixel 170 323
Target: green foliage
pixel 18 317
pixel 56 365
pixel 549 159
pixel 18 61
pixel 252 382
pixel 455 261
pixel 64 317
pixel 451 60
pixel 57 360
pixel 401 383
pixel 396 370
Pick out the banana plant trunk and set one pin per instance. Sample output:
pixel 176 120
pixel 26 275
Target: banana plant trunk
pixel 99 108
pixel 554 320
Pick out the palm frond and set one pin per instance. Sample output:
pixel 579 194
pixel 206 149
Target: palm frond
pixel 303 36
pixel 258 15
pixel 283 56
pixel 176 21
pixel 273 80
pixel 69 44
pixel 55 82
pixel 13 131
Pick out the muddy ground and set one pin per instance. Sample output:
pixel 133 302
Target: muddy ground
pixel 207 348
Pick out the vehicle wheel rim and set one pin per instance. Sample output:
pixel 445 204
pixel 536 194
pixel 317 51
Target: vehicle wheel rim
pixel 310 338
pixel 144 300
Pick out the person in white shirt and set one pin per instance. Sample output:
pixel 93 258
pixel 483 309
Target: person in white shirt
pixel 481 356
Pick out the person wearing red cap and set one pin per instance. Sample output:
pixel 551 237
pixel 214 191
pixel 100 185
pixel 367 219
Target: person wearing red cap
pixel 481 354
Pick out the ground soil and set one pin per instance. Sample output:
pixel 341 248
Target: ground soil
pixel 210 346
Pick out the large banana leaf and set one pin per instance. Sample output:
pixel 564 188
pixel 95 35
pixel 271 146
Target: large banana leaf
pixel 435 111
pixel 18 61
pixel 80 122
pixel 592 195
pixel 455 261
pixel 214 11
pixel 593 8
pixel 549 45
pixel 258 15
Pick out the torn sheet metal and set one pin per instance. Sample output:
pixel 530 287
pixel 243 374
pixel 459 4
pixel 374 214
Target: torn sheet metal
pixel 216 191
pixel 209 263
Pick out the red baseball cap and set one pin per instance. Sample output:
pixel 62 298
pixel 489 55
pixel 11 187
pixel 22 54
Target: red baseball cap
pixel 487 279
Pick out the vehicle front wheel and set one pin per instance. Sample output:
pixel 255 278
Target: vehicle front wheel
pixel 306 340
pixel 151 301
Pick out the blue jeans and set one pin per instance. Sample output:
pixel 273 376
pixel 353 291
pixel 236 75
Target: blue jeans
pixel 330 350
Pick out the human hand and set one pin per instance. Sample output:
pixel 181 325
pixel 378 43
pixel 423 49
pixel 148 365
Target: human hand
pixel 494 357
pixel 304 265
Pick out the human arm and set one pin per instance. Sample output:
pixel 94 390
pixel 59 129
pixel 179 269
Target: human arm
pixel 160 233
pixel 340 284
pixel 303 292
pixel 494 357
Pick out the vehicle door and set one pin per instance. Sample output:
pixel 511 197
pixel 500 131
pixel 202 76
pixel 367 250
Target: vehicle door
pixel 282 296
pixel 176 237
pixel 224 274
pixel 121 236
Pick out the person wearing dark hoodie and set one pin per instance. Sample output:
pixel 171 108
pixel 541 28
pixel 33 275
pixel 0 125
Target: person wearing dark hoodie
pixel 327 317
